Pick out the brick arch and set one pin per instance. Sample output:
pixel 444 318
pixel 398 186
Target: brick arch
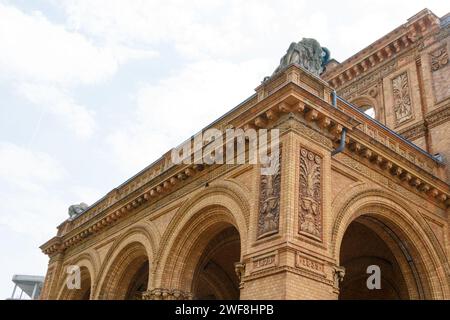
pixel 367 100
pixel 216 208
pixel 88 267
pixel 406 223
pixel 223 290
pixel 127 253
pixel 413 292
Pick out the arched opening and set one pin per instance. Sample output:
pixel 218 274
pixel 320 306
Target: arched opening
pixel 370 107
pixel 127 278
pixel 81 293
pixel 208 233
pixel 215 276
pixel 369 110
pixel 370 244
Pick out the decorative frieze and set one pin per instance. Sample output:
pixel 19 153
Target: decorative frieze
pixel 394 170
pixel 310 194
pixel 438 116
pixel 166 294
pixel 402 99
pixel 309 264
pixel 269 199
pixel 352 91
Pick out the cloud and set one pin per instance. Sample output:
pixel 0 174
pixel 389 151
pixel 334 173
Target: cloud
pixel 28 169
pixel 29 200
pixel 35 191
pixel 44 61
pixel 236 29
pixel 34 49
pixel 58 102
pixel 196 29
pixel 179 106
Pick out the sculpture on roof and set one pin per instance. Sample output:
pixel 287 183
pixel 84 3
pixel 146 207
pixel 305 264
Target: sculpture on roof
pixel 308 54
pixel 77 209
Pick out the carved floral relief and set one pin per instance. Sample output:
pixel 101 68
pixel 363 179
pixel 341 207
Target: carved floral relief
pixel 402 99
pixel 310 193
pixel 439 59
pixel 269 200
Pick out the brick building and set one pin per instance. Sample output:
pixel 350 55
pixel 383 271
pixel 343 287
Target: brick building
pixel 351 192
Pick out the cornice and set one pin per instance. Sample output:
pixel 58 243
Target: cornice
pixel 293 96
pixel 397 41
pixel 438 116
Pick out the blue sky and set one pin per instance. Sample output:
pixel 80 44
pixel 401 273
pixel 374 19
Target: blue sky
pixel 93 91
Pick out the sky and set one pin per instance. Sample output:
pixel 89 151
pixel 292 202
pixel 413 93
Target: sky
pixel 93 91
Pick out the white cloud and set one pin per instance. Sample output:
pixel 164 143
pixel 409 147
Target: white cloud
pixel 197 29
pixel 177 107
pixel 232 29
pixel 58 102
pixel 28 169
pixel 29 199
pixel 33 48
pixel 35 191
pixel 45 61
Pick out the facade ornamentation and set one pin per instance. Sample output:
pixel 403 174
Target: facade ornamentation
pixel 439 58
pixel 269 200
pixel 166 294
pixel 352 91
pixel 402 98
pixel 77 209
pixel 239 268
pixel 308 54
pixel 338 275
pixel 310 193
pixel 181 218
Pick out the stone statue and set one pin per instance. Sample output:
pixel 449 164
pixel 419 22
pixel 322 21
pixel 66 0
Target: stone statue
pixel 77 209
pixel 308 54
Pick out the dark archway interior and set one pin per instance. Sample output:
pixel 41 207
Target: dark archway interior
pixel 362 247
pixel 138 282
pixel 215 276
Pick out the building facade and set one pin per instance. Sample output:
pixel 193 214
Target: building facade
pixel 351 192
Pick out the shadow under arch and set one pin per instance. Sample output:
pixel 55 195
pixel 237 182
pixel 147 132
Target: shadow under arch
pixel 130 255
pixel 397 223
pixel 221 206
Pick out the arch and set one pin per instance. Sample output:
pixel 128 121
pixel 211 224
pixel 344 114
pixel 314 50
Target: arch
pixel 214 276
pixel 132 248
pixel 404 222
pixel 88 269
pixel 211 211
pixel 365 101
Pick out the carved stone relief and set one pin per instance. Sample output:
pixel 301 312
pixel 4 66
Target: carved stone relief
pixel 269 200
pixel 356 88
pixel 402 99
pixel 310 194
pixel 441 81
pixel 439 59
